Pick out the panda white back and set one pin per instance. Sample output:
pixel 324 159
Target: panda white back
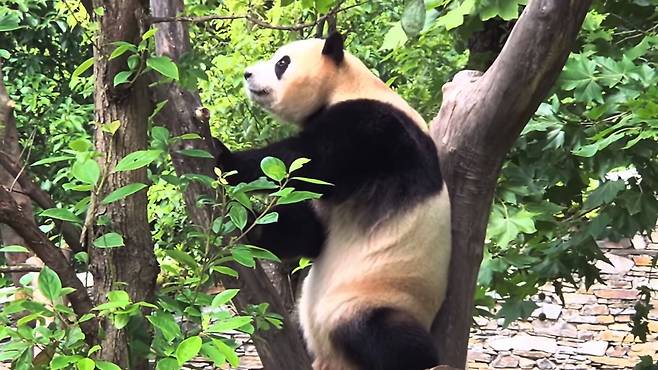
pixel 380 237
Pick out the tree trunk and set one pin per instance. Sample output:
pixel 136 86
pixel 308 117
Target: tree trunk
pixel 132 267
pixel 278 349
pixel 479 121
pixel 11 149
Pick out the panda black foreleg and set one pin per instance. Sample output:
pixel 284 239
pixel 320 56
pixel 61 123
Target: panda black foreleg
pixel 247 162
pixel 297 233
pixel 386 339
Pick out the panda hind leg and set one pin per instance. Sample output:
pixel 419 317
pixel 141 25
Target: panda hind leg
pixel 385 339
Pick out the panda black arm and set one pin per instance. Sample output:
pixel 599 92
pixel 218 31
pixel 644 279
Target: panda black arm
pixel 297 233
pixel 247 162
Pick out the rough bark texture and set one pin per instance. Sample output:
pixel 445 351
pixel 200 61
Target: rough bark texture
pixel 132 267
pixel 23 223
pixel 479 121
pixel 9 147
pixel 26 185
pixel 278 349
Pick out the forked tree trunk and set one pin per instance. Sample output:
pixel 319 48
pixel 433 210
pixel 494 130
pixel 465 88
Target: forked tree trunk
pixel 479 121
pixel 132 267
pixel 278 349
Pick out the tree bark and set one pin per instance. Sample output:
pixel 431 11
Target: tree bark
pixel 23 224
pixel 132 267
pixel 479 121
pixel 10 147
pixel 278 349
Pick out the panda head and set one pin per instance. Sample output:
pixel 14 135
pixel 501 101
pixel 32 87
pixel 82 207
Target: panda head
pixel 299 79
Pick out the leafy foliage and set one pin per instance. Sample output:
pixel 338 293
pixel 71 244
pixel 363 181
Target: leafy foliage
pixel 584 169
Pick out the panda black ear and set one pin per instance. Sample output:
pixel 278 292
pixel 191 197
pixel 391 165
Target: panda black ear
pixel 333 48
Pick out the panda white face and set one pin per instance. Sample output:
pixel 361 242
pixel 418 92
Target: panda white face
pixel 294 83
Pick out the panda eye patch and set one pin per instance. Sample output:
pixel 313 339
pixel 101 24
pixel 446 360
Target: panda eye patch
pixel 281 66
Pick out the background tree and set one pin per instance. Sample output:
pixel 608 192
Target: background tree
pixel 150 161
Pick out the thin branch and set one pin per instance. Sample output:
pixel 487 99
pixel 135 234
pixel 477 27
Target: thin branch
pixel 255 19
pixel 69 231
pixel 200 19
pixel 19 269
pixel 12 215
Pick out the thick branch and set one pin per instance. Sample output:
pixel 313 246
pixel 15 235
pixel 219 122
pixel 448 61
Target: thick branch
pixel 70 232
pixel 278 349
pixel 479 121
pixel 12 215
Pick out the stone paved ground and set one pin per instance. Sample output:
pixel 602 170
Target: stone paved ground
pixel 591 331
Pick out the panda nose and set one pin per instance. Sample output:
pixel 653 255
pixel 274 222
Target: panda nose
pixel 247 75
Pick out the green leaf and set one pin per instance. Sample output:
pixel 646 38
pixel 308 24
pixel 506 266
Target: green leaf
pixel 61 214
pixel 148 34
pixel 14 249
pixel 49 160
pixel 455 17
pixel 212 353
pixel 123 192
pixel 121 48
pixel 61 362
pixel 413 17
pixel 196 153
pixel 161 134
pixel 137 160
pixel 121 320
pixel 238 214
pixel 604 194
pixel 82 67
pixel 262 254
pixel 24 362
pixel 111 127
pixel 229 324
pixel 166 323
pixel 298 196
pixel 121 77
pixel 4 54
pixel 268 218
pixel 523 220
pixel 323 6
pixel 187 349
pixel 183 258
pixel 80 145
pixel 49 283
pixel 85 364
pixel 163 65
pixel 225 270
pixel 274 168
pixel 109 240
pixel 87 171
pixel 227 351
pixel 394 38
pixel 105 365
pixel 243 256
pixel 512 310
pixel 298 163
pixel 168 363
pixel 312 181
pixel 223 297
pixel 505 9
pixel 9 22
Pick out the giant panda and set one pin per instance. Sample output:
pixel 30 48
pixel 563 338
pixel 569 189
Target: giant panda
pixel 380 236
